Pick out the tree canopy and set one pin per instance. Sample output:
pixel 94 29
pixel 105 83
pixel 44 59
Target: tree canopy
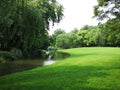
pixel 107 9
pixel 24 24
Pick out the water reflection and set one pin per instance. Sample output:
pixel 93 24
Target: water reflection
pixel 49 61
pixel 22 65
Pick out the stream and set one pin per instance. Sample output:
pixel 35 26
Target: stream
pixel 27 64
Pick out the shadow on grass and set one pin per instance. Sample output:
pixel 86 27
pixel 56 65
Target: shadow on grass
pixel 55 78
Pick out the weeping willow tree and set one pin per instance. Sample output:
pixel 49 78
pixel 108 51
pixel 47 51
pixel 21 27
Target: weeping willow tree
pixel 24 24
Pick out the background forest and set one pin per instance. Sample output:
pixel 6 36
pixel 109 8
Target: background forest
pixel 104 34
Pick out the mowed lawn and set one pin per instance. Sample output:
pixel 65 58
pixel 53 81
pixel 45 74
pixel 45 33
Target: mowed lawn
pixel 86 69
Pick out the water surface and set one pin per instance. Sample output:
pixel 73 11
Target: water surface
pixel 26 64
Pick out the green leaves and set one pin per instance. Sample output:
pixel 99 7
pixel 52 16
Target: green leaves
pixel 24 24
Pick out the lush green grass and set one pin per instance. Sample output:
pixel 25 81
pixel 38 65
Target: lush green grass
pixel 85 69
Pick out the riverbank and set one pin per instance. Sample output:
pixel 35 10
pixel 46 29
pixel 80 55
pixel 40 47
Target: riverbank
pixel 85 69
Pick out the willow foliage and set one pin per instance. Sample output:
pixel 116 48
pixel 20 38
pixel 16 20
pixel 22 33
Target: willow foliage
pixel 24 24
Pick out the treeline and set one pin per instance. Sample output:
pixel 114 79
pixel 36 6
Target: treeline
pixel 107 34
pixel 104 35
pixel 24 25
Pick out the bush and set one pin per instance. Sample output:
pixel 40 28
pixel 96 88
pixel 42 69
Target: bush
pixel 2 60
pixel 16 53
pixel 6 55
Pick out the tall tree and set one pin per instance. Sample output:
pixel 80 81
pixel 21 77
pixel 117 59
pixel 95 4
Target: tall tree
pixel 24 24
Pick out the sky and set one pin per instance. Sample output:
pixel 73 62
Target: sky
pixel 77 13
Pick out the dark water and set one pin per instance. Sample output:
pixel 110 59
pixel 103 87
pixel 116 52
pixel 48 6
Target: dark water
pixel 22 65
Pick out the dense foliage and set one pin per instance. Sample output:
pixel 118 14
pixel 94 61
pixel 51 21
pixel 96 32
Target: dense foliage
pixel 24 24
pixel 102 35
pixel 105 34
pixel 109 9
pixel 54 36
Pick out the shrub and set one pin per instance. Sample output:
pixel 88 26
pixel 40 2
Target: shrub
pixel 16 53
pixel 2 60
pixel 6 55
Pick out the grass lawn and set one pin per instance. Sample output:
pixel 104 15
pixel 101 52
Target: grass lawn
pixel 86 69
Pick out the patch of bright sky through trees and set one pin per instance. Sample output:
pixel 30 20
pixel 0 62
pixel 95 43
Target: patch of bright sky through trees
pixel 77 13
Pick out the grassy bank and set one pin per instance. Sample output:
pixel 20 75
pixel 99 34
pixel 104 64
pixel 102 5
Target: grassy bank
pixel 85 69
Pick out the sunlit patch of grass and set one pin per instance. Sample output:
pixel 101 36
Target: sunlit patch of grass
pixel 85 69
